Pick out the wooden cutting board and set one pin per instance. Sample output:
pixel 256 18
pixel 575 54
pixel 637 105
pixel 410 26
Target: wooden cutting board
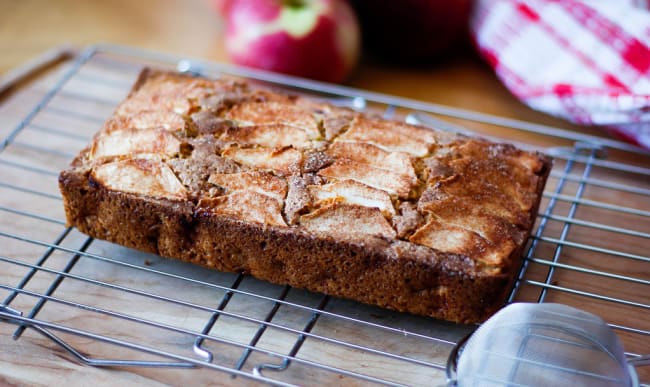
pixel 142 286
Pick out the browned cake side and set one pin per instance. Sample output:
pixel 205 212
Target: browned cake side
pixel 297 192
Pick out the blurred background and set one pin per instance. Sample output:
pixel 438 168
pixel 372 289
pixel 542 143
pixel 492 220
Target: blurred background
pixel 420 49
pixel 457 77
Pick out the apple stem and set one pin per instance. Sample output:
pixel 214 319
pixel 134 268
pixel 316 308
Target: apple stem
pixel 294 3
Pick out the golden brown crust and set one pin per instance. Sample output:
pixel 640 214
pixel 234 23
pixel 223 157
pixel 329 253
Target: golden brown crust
pixel 377 211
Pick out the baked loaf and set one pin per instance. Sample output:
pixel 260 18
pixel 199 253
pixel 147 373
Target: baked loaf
pixel 298 192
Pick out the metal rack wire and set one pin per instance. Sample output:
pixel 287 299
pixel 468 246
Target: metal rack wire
pixel 109 306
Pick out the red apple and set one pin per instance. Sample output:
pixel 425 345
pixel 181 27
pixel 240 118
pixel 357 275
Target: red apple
pixel 412 30
pixel 316 39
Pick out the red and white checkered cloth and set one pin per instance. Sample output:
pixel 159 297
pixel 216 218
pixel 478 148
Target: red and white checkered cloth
pixel 584 60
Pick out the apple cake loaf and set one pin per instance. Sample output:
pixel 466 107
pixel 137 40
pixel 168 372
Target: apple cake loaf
pixel 295 191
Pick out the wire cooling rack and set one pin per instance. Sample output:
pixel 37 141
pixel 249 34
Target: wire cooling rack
pixel 109 306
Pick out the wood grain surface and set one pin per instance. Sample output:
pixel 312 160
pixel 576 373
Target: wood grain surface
pixel 190 28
